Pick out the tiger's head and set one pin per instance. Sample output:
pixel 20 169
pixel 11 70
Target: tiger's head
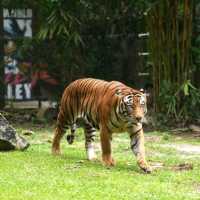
pixel 133 106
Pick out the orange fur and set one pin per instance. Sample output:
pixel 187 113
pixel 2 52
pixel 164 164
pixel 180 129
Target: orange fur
pixel 104 105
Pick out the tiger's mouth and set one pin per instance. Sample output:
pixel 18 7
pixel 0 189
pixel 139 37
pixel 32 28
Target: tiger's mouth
pixel 135 121
pixel 138 123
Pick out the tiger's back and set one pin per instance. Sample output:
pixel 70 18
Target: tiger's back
pixel 91 99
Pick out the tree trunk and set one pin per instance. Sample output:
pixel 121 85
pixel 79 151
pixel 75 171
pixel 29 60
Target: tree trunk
pixel 170 26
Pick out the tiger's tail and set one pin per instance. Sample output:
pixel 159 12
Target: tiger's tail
pixel 59 132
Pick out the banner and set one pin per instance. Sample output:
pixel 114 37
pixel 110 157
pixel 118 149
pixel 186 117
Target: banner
pixel 17 23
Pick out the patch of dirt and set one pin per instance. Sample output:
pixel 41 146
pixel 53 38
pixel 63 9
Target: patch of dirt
pixel 185 148
pixel 187 134
pixel 153 138
pixel 182 166
pixel 179 167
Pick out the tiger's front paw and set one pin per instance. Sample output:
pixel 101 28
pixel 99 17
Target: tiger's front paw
pixel 145 167
pixel 108 160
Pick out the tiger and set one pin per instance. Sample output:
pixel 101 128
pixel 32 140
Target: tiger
pixel 110 107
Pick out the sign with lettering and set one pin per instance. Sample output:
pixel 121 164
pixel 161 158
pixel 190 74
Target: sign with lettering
pixel 17 23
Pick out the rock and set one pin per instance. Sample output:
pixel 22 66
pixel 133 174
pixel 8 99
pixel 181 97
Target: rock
pixel 9 139
pixel 194 128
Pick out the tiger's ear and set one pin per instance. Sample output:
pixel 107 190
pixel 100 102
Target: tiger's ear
pixel 142 90
pixel 118 92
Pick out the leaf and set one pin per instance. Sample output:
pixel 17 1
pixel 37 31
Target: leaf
pixel 192 86
pixel 186 89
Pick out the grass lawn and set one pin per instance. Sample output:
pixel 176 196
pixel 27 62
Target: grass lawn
pixel 36 174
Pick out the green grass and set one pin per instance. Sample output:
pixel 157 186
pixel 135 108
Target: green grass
pixel 36 174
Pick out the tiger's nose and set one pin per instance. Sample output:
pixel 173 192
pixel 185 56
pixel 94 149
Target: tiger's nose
pixel 139 119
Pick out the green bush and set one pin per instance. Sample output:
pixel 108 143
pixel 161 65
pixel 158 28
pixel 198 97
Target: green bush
pixel 180 103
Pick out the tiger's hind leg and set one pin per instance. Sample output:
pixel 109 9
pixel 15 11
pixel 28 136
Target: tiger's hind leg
pixel 59 132
pixel 70 137
pixel 90 133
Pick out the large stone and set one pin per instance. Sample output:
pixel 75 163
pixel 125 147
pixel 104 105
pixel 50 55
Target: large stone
pixel 9 139
pixel 194 128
